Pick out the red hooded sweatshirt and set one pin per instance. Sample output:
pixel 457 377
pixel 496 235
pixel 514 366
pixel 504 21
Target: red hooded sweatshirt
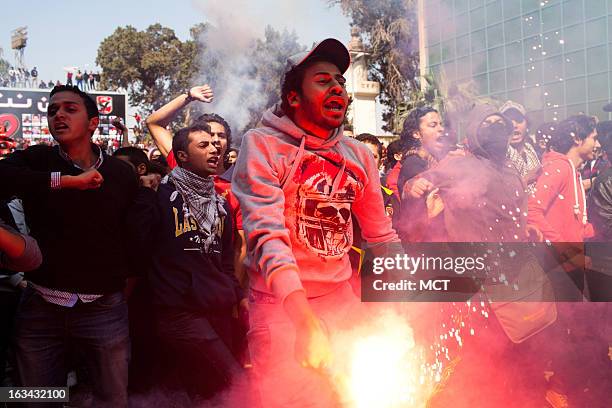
pixel 557 207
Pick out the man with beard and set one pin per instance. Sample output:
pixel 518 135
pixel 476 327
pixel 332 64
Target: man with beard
pixel 299 180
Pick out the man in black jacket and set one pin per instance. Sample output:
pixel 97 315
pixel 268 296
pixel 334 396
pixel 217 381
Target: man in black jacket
pixel 75 199
pixel 599 278
pixel 186 227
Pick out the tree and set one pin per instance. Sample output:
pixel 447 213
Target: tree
pixel 152 65
pixel 391 36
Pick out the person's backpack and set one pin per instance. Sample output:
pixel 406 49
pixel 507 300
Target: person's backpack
pixel 34 73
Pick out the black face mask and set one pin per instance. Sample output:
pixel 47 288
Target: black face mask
pixel 493 140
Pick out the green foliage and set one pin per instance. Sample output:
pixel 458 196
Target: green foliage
pixel 152 65
pixel 391 36
pixel 4 66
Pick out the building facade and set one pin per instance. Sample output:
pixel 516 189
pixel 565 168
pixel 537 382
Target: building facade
pixel 553 56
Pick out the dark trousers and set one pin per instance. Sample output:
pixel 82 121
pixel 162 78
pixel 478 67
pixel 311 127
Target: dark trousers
pixel 99 329
pixel 8 308
pixel 197 350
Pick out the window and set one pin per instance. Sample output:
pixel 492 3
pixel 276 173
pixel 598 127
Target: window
pixel 479 63
pixel 482 83
pixel 554 94
pixel 575 90
pixel 434 54
pixel 597 60
pixel 512 30
pixel 497 81
pixel 464 68
pixel 596 32
pixel 551 43
pixel 448 50
pixel 530 5
pixel 495 35
pixel 514 53
pixel 552 69
pixel 533 74
pixel 575 109
pixel 533 49
pixel 512 8
pixel 476 3
pixel 574 64
pixel 477 18
pixel 461 6
pixel 514 77
pixel 478 41
pixel 573 37
pixel 598 86
pixel 494 12
pixel 551 17
pixel 595 8
pixel 496 58
pixel 463 45
pixel 462 24
pixel 433 34
pixel 531 24
pixel 572 12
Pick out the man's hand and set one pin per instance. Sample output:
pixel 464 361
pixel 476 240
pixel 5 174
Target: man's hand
pixel 150 180
pixel 87 180
pixel 202 93
pixel 534 234
pixel 434 203
pixel 119 125
pixel 312 348
pixel 419 187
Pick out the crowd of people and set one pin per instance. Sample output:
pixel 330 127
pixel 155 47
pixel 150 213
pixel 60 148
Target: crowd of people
pixel 29 78
pixel 236 266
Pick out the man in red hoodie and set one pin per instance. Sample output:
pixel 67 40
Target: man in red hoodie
pixel 557 207
pixel 299 180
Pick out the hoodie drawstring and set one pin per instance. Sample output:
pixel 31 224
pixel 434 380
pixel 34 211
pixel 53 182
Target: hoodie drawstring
pixel 576 203
pixel 296 162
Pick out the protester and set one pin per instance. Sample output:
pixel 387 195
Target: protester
pixel 393 166
pixel 298 180
pixel 76 295
pixel 599 276
pixel 520 151
pixel 186 227
pixel 423 139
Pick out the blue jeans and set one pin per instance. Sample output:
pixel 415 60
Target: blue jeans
pixel 99 329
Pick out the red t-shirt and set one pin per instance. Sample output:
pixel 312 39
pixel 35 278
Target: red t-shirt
pixel 223 188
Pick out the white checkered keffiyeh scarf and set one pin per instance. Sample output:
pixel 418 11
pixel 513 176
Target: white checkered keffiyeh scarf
pixel 201 201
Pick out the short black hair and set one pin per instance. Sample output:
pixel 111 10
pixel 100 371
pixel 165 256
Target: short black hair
pixel 412 124
pixel 90 105
pixel 135 155
pixel 213 117
pixel 574 127
pixel 180 141
pixel 395 147
pixel 373 140
pixel 604 136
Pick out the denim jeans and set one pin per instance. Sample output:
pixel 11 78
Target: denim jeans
pixel 99 329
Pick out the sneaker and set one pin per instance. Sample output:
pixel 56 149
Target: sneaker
pixel 556 399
